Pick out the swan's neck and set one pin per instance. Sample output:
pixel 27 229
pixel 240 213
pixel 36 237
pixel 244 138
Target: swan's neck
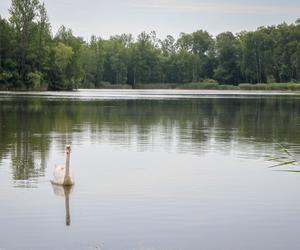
pixel 67 173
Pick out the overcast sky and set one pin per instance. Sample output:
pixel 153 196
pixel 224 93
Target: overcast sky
pixel 109 17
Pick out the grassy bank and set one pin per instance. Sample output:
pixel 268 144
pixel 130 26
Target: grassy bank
pixel 216 86
pixel 187 86
pixel 11 87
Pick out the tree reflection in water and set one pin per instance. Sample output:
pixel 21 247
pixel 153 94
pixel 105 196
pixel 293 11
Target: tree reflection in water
pixel 28 126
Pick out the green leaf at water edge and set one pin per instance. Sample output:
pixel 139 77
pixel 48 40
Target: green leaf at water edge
pixel 284 149
pixel 284 163
pixel 277 158
pixel 292 171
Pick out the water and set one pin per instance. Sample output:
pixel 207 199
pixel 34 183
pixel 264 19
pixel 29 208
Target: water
pixel 153 170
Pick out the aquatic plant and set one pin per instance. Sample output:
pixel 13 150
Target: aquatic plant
pixel 285 159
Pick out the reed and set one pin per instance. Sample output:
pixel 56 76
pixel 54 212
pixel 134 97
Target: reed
pixel 286 158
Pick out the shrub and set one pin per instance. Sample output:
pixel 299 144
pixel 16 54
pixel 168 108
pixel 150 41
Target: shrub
pixel 35 79
pixel 294 86
pixel 199 85
pixel 228 87
pixel 246 86
pixel 5 77
pixel 277 86
pixel 156 86
pixel 209 80
pixel 106 85
pixel 260 86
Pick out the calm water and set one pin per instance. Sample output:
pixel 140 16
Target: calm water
pixel 153 170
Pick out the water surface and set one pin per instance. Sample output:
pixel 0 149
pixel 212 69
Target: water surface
pixel 153 170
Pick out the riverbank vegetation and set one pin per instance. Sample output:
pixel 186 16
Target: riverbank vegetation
pixel 31 57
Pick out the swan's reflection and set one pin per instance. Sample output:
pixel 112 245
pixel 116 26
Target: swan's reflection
pixel 64 191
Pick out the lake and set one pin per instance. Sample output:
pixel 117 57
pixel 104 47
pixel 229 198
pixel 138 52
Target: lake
pixel 153 170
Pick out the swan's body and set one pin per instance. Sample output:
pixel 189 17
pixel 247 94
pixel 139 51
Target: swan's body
pixel 62 173
pixel 60 178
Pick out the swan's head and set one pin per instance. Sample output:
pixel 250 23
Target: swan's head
pixel 68 149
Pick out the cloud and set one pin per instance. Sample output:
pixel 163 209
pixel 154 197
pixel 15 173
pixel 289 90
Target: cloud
pixel 219 8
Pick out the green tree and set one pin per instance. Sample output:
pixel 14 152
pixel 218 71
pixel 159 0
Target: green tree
pixel 116 60
pixel 23 14
pixel 201 45
pixel 62 56
pixel 145 59
pixel 73 73
pixel 227 54
pixel 8 74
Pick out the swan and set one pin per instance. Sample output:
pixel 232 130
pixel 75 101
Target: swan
pixel 62 173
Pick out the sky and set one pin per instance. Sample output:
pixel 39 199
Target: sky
pixel 105 18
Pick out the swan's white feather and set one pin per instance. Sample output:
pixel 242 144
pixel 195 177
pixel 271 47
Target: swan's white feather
pixel 59 174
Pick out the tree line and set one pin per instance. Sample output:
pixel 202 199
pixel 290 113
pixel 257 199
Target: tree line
pixel 31 57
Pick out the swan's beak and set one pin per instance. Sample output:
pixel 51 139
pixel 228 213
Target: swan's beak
pixel 68 149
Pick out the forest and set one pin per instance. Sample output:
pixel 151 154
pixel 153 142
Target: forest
pixel 32 58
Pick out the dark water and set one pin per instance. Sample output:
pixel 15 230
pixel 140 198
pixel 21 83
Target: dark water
pixel 153 170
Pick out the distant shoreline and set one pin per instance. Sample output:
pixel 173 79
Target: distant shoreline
pixel 147 93
pixel 295 87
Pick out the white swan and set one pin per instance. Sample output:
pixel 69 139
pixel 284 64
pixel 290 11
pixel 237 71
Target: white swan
pixel 62 173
